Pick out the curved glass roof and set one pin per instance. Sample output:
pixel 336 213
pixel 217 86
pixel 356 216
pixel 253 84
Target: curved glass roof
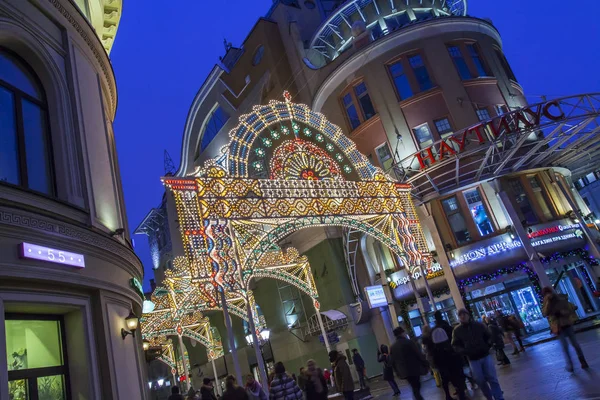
pixel 381 17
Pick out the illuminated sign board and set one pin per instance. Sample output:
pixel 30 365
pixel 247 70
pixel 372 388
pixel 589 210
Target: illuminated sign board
pixel 528 118
pixel 137 286
pixel 485 251
pixel 376 296
pixel 48 254
pixel 435 268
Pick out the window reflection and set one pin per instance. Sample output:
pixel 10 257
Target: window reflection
pixel 478 212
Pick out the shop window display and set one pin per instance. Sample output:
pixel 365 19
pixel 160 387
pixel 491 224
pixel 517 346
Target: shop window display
pixel 478 212
pixel 35 359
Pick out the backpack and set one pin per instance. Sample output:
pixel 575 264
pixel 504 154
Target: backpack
pixel 439 335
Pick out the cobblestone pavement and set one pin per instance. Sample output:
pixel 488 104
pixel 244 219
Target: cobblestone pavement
pixel 538 374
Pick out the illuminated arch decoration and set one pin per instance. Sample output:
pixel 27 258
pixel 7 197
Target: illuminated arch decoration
pixel 232 214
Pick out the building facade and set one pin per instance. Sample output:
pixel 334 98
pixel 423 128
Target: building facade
pixel 69 275
pixel 427 94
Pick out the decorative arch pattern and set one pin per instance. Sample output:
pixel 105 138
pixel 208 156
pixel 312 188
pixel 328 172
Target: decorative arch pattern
pixel 230 223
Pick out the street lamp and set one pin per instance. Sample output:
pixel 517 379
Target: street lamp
pixel 131 321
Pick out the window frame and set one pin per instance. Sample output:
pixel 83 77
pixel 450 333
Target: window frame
pixel 459 46
pixel 379 160
pixel 351 90
pixel 32 374
pixel 459 210
pixel 404 60
pixel 505 65
pixel 416 139
pixel 484 64
pixel 18 97
pixel 207 120
pixel 487 209
pixel 468 58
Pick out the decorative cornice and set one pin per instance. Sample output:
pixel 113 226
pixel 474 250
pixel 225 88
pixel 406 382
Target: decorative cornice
pixel 101 56
pixel 28 221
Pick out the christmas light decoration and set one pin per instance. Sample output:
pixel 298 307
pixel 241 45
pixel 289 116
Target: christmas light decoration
pixel 231 217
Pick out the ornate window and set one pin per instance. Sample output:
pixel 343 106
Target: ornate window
pixel 410 76
pixel 25 149
pixel 215 122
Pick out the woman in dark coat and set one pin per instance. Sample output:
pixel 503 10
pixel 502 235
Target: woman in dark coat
pixel 383 356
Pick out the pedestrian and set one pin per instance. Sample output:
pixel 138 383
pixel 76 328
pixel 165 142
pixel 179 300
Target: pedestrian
pixel 254 389
pixel 192 395
pixel 473 340
pixel 443 357
pixel 175 395
pixel 359 364
pixel 283 387
pixel 207 390
pixel 498 342
pixel 408 361
pixel 342 375
pixel 428 351
pixel 561 316
pixel 302 376
pixel 327 375
pixel 316 384
pixel 517 325
pixel 383 356
pixel 233 391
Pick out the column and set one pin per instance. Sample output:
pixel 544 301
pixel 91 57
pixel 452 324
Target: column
pixel 391 311
pixel 427 288
pixel 236 361
pixel 532 255
pixel 565 191
pixel 414 289
pixel 321 325
pixel 186 384
pixel 257 350
pixel 217 384
pixel 444 262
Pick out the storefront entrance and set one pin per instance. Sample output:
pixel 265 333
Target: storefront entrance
pixel 510 298
pixel 572 280
pixel 37 365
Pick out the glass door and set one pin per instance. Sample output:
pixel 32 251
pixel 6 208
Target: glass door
pixel 528 308
pixel 489 305
pixel 37 367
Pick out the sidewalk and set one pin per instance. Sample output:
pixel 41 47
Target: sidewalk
pixel 546 336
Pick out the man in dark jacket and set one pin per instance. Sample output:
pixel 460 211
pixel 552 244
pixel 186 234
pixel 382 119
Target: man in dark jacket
pixel 342 375
pixel 408 361
pixel 473 340
pixel 445 359
pixel 207 390
pixel 175 395
pixel 359 364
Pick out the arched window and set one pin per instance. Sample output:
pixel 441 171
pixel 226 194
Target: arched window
pixel 217 119
pixel 24 140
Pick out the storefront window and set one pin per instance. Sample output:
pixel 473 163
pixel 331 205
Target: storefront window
pixel 478 212
pixel 540 195
pixel 523 205
pixel 456 220
pixel 528 308
pixel 35 359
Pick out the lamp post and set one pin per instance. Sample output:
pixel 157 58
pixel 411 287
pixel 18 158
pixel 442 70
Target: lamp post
pixel 265 334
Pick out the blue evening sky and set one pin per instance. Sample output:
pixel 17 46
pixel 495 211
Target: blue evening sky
pixel 163 54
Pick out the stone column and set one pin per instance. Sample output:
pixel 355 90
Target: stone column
pixel 444 262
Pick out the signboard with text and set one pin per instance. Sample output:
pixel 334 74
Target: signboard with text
pixel 51 255
pixel 376 296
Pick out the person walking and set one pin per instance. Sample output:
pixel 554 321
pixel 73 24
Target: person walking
pixel 473 340
pixel 175 394
pixel 233 391
pixel 443 357
pixel 315 382
pixel 283 387
pixel 408 361
pixel 342 375
pixel 359 364
pixel 302 376
pixel 383 356
pixel 498 342
pixel 207 390
pixel 254 389
pixel 428 351
pixel 561 316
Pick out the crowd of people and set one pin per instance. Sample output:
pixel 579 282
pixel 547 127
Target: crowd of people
pixel 444 351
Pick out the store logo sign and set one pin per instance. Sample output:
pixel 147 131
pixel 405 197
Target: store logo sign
pixel 416 275
pixel 552 229
pixel 578 234
pixel 483 252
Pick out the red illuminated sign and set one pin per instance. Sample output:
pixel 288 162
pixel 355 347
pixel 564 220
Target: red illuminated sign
pixel 530 117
